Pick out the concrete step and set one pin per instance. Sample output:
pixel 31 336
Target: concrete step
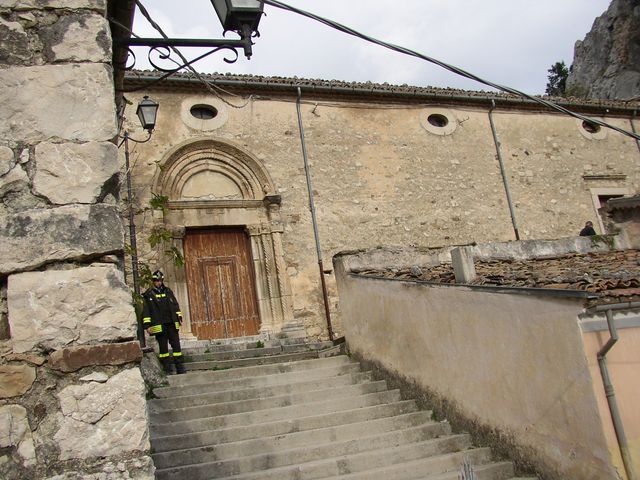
pixel 263 381
pixel 425 468
pixel 282 443
pixel 227 408
pixel 251 351
pixel 282 427
pixel 276 442
pixel 257 370
pixel 324 406
pixel 289 417
pixel 211 465
pixel 301 347
pixel 369 460
pixel 487 471
pixel 244 362
pixel 238 394
pixel 232 354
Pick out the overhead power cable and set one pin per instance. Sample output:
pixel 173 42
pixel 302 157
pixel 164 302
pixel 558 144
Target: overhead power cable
pixel 446 66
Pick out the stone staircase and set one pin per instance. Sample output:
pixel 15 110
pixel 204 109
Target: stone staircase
pixel 299 411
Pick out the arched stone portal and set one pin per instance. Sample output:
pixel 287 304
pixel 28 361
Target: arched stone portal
pixel 213 185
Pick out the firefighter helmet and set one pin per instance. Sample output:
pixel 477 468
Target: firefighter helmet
pixel 157 275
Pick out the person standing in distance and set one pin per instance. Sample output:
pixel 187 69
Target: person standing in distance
pixel 161 316
pixel 588 230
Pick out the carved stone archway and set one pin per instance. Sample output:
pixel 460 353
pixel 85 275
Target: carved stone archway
pixel 213 183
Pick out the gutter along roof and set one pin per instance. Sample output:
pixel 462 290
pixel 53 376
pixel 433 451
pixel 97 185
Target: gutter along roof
pixel 370 91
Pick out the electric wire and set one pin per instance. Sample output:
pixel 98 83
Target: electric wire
pixel 188 64
pixel 446 66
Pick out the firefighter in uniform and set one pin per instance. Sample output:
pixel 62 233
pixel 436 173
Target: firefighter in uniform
pixel 161 316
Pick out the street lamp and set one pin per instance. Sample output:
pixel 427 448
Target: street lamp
pixel 146 111
pixel 240 16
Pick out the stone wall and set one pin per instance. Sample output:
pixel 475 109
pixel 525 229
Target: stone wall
pixel 72 399
pixel 382 175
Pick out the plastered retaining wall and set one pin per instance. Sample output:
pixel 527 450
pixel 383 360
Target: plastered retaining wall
pixel 514 364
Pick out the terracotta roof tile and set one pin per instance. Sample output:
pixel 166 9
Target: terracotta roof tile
pixel 383 88
pixel 609 274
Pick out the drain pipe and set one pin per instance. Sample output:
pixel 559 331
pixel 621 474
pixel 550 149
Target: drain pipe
pixel 312 208
pixel 505 180
pixel 608 386
pixel 633 127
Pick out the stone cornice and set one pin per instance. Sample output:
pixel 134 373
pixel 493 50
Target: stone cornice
pixel 354 91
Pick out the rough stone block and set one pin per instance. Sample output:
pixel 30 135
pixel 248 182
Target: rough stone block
pixel 97 5
pixel 74 358
pixel 78 38
pixel 463 267
pixel 140 468
pixel 7 160
pixel 56 308
pixel 35 237
pixel 92 412
pixel 14 43
pixel 99 377
pixel 15 432
pixel 60 102
pixel 16 180
pixel 74 173
pixel 25 357
pixel 15 380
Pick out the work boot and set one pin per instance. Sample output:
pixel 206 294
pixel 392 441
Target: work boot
pixel 166 365
pixel 179 362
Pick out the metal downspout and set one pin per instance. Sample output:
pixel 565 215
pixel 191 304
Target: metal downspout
pixel 611 398
pixel 505 180
pixel 312 208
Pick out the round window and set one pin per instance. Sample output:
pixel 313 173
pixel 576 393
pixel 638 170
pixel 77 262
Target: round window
pixel 204 112
pixel 590 126
pixel 438 120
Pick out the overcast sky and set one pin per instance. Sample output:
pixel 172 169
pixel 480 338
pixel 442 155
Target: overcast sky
pixel 512 42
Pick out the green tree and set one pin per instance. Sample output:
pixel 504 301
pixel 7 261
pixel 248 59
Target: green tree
pixel 557 83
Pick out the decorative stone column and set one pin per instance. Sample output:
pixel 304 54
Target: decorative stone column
pixel 179 278
pixel 272 283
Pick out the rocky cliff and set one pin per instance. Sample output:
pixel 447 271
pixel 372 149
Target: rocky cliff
pixel 606 63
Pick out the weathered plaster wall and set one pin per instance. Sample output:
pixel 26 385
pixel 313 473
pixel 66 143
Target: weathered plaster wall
pixel 510 363
pixel 72 399
pixel 623 362
pixel 381 178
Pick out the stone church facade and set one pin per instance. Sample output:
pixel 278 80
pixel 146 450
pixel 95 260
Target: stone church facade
pixel 389 166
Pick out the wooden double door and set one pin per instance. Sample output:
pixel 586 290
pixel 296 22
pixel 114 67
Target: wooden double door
pixel 220 283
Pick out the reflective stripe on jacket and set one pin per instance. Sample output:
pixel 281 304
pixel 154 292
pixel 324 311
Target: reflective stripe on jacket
pixel 160 308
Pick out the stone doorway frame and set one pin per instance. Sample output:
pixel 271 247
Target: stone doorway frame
pixel 258 211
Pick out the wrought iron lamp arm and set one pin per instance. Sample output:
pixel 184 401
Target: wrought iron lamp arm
pixel 126 137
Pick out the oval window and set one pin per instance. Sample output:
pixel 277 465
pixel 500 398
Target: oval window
pixel 204 112
pixel 438 120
